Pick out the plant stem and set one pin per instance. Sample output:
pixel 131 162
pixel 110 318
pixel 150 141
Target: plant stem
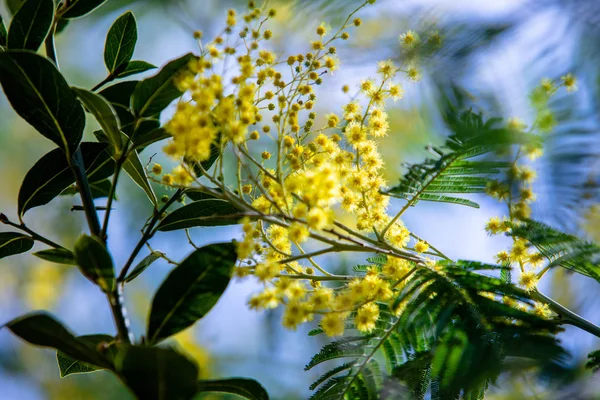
pixel 318 278
pixel 49 45
pixel 106 80
pixel 111 195
pixel 568 316
pixel 87 200
pixel 147 235
pixel 115 298
pixel 34 235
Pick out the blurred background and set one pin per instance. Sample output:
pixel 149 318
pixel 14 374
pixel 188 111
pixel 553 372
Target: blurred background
pixel 496 51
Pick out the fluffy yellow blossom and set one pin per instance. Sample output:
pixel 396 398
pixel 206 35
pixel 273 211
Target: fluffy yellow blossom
pixel 421 246
pixel 528 280
pixel 366 317
pixel 409 39
pixel 333 324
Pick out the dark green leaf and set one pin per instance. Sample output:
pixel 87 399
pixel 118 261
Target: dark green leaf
pixel 198 194
pixel 248 388
pixel 14 243
pixel 69 365
pixel 30 25
pixel 142 265
pixel 95 261
pixel 120 43
pixel 143 139
pixel 59 256
pixel 153 94
pixel 2 32
pixel 209 212
pixel 136 67
pixel 61 26
pixel 101 189
pixel 51 175
pixel 190 290
pixel 157 373
pixel 41 329
pixel 79 8
pixel 41 96
pixel 104 114
pixel 134 168
pixel 119 93
pixel 14 5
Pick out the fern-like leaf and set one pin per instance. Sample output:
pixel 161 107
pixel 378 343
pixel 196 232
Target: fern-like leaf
pixel 452 170
pixel 453 337
pixel 560 248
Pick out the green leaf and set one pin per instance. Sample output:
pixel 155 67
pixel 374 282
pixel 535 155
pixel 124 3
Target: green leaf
pixel 101 189
pixel 69 365
pixel 2 32
pixel 14 5
pixel 190 290
pixel 41 329
pixel 198 194
pixel 144 139
pixel 157 373
pixel 14 243
pixel 120 43
pixel 119 93
pixel 30 25
pixel 119 96
pixel 142 265
pixel 51 175
pixel 104 114
pixel 95 261
pixel 136 67
pixel 449 172
pixel 59 256
pixel 41 96
pixel 134 168
pixel 79 8
pixel 155 93
pixel 248 388
pixel 209 212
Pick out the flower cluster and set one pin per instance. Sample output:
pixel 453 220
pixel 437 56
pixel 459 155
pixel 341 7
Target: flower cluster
pixel 296 172
pixel 517 190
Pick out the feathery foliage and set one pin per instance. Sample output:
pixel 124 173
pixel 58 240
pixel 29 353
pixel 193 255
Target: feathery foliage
pixel 458 166
pixel 452 333
pixel 560 248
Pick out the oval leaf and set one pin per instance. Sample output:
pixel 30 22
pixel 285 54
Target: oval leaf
pixel 31 24
pixel 59 256
pixel 119 93
pixel 41 329
pixel 209 212
pixel 134 168
pixel 95 261
pixel 142 265
pixel 14 243
pixel 79 8
pixel 68 365
pixel 143 139
pixel 154 94
pixel 41 96
pixel 104 114
pixel 120 43
pixel 156 374
pixel 136 67
pixel 190 290
pixel 248 388
pixel 198 194
pixel 51 175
